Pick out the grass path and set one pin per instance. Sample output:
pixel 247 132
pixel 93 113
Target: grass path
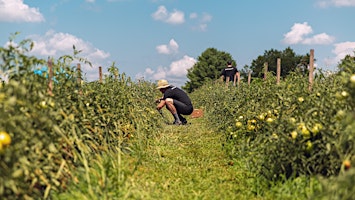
pixel 187 162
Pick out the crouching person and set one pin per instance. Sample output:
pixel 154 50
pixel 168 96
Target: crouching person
pixel 176 101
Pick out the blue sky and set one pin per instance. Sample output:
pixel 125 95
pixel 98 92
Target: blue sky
pixel 162 39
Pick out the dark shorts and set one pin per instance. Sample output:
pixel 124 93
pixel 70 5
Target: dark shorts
pixel 182 108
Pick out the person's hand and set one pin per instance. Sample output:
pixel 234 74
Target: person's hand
pixel 157 101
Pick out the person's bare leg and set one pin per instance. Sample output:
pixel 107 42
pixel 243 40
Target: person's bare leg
pixel 170 106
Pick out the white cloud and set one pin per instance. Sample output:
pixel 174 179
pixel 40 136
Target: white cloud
pixel 322 38
pixel 170 48
pixel 201 21
pixel 55 44
pixel 17 11
pixel 159 74
pixel 337 3
pixel 179 68
pixel 298 34
pixel 341 50
pixel 175 17
pixel 206 17
pixel 193 15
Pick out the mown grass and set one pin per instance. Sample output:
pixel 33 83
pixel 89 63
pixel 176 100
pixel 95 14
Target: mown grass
pixel 180 162
pixel 188 162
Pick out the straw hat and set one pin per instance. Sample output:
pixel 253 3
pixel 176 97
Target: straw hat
pixel 163 84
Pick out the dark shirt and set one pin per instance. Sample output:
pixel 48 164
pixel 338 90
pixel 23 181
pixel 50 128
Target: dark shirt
pixel 229 72
pixel 177 94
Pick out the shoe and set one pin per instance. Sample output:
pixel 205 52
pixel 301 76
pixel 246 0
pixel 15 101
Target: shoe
pixel 177 123
pixel 183 120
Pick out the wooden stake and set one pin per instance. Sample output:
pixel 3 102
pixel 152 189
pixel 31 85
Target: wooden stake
pixel 100 74
pixel 265 70
pixel 311 69
pixel 50 77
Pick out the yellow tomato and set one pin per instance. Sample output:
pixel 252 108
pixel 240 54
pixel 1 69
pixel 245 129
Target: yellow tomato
pixel 292 120
pixel 269 120
pixel 347 164
pixel 253 121
pixel 309 146
pixel 261 117
pixel 300 99
pixel 43 104
pixel 238 124
pixel 294 134
pixel 340 115
pixel 344 94
pixel 305 132
pixel 352 80
pixel 316 128
pixel 274 136
pixel 251 127
pixel 5 138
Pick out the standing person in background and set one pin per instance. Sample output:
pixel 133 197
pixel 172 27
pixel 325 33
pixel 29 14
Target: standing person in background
pixel 176 101
pixel 230 73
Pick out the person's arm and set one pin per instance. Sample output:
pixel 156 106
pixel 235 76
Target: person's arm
pixel 161 104
pixel 222 75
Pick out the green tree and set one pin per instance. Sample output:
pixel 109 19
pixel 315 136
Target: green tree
pixel 289 62
pixel 347 64
pixel 207 68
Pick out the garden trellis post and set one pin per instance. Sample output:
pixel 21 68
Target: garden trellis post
pixel 278 71
pixel 50 76
pixel 265 70
pixel 311 69
pixel 100 74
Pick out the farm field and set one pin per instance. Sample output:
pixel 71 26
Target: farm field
pixel 105 140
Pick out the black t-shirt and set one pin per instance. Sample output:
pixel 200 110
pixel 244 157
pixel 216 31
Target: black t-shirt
pixel 177 94
pixel 229 72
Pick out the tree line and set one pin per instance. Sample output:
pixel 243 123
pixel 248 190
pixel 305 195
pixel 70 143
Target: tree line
pixel 210 63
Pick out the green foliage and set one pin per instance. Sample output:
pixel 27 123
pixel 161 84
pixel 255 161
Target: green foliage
pixel 337 187
pixel 287 129
pixel 58 138
pixel 208 68
pixel 289 62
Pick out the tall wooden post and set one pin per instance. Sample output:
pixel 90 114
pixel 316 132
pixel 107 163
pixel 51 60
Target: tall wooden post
pixel 265 70
pixel 50 77
pixel 100 74
pixel 278 71
pixel 311 69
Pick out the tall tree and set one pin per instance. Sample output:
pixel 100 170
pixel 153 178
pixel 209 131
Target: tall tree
pixel 289 62
pixel 207 68
pixel 347 64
